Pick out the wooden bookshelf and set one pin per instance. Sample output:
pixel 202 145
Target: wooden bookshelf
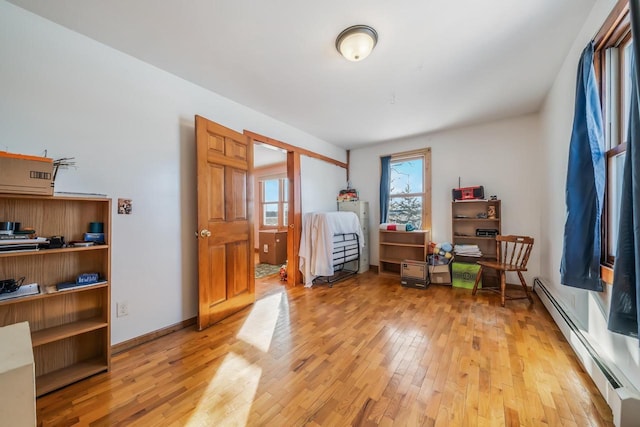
pixel 466 218
pixel 397 246
pixel 70 329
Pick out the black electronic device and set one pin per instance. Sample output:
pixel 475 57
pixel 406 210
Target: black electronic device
pixel 486 232
pixel 10 285
pixel 56 242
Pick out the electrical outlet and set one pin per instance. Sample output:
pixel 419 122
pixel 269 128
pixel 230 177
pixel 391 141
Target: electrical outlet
pixel 122 309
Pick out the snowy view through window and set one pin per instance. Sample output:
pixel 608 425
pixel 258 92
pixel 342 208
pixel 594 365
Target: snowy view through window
pixel 407 191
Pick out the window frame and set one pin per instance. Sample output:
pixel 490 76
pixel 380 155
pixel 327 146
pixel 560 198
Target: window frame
pixel 425 154
pixel 283 197
pixel 614 33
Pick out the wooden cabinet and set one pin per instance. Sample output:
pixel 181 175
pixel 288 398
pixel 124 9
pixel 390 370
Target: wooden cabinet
pixel 396 246
pixel 469 219
pixel 273 246
pixel 70 330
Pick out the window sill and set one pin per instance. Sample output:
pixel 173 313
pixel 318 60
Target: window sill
pixel 606 273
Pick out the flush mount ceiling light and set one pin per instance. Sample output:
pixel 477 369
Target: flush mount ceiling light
pixel 356 43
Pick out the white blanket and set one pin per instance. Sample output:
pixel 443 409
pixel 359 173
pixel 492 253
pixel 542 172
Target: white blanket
pixel 316 242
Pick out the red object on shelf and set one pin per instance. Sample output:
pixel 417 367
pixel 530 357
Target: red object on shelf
pixel 468 193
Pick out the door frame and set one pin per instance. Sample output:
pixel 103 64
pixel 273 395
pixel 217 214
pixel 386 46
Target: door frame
pixel 294 275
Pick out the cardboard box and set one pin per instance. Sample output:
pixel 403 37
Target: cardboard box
pixel 440 269
pixel 464 275
pixel 440 274
pixel 18 391
pixel 22 174
pixel 413 274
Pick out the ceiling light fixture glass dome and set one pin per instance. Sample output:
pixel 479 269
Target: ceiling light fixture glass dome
pixel 356 43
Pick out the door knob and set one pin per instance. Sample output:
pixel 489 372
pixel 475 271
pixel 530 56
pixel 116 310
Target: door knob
pixel 205 233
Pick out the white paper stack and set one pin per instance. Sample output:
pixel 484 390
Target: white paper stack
pixel 467 250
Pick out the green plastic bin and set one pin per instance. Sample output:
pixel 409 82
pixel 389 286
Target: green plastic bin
pixel 464 275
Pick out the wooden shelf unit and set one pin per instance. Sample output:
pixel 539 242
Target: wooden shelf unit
pixel 70 330
pixel 396 246
pixel 465 221
pixel 54 251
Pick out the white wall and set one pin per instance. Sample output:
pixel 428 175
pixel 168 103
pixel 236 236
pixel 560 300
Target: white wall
pixel 130 127
pixel 590 308
pixel 502 156
pixel 321 182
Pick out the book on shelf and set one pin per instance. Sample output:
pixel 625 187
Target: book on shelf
pixel 21 244
pixel 22 241
pixel 74 285
pixel 18 248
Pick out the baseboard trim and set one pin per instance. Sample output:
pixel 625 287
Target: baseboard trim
pixel 134 342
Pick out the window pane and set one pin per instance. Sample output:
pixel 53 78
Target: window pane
pixel 406 210
pixel 615 53
pixel 271 190
pixel 270 214
pixel 285 213
pixel 626 89
pixel 407 176
pixel 614 189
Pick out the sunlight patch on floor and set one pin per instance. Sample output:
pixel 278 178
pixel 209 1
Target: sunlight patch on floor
pixel 229 396
pixel 259 327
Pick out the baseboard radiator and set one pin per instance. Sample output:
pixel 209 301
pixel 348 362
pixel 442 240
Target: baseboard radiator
pixel 621 396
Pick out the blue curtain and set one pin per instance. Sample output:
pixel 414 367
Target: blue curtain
pixel 580 264
pixel 385 184
pixel 623 312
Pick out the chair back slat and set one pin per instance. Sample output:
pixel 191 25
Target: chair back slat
pixel 514 250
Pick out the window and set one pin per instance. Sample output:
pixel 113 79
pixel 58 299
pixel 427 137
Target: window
pixel 410 189
pixel 612 60
pixel 274 206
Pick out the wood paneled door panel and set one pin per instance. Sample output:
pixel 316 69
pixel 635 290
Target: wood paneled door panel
pixel 226 281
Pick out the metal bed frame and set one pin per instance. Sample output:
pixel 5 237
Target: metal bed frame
pixel 346 249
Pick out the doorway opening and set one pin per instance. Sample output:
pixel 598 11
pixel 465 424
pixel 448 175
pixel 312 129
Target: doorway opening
pixel 271 214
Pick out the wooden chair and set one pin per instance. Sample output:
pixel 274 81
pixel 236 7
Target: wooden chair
pixel 512 254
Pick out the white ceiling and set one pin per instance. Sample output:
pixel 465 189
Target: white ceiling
pixel 438 63
pixel 267 155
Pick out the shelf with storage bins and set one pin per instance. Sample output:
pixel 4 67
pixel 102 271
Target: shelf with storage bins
pixel 70 329
pixel 397 246
pixel 467 217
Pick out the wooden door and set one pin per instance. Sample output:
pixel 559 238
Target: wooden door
pixel 226 281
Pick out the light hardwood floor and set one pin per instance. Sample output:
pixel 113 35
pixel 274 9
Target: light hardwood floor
pixel 365 352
